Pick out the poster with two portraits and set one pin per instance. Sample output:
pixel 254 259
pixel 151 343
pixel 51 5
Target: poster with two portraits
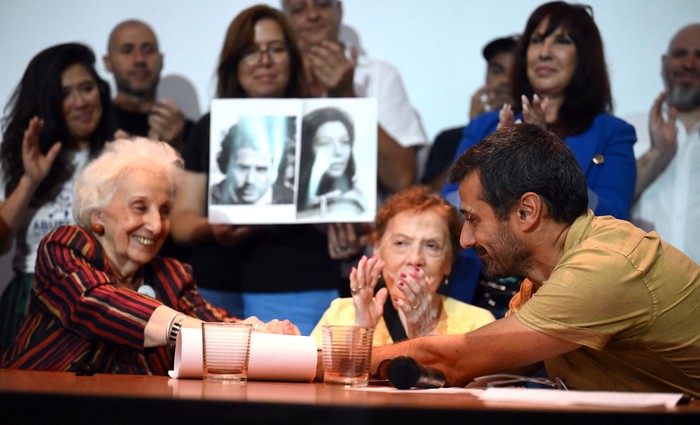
pixel 281 161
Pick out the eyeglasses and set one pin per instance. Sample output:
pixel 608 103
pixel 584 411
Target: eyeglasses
pixel 276 51
pixel 506 380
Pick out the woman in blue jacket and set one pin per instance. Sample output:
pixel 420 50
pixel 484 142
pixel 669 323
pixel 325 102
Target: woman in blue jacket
pixel 560 81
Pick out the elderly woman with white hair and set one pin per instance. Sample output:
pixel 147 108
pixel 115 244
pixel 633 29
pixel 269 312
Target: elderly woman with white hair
pixel 101 296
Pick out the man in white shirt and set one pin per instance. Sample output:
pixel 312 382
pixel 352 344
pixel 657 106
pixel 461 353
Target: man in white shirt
pixel 336 70
pixel 668 150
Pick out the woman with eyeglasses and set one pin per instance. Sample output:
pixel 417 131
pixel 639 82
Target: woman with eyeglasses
pixel 273 270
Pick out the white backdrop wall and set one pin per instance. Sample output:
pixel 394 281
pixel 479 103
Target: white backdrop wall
pixel 435 44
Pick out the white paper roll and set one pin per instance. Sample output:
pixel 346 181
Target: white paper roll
pixel 272 357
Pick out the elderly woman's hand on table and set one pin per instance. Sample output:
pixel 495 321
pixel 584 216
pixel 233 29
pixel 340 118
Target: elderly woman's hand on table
pixel 283 327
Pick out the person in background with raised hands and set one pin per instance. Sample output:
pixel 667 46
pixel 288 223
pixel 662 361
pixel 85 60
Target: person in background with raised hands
pixel 561 82
pixel 134 58
pixel 59 117
pixel 669 149
pixel 495 93
pixel 279 270
pixel 335 69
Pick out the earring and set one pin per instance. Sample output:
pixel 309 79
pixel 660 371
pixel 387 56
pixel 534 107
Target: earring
pixel 446 281
pixel 98 229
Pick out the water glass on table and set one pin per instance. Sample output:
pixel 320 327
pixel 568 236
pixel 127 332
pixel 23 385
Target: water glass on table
pixel 226 350
pixel 346 355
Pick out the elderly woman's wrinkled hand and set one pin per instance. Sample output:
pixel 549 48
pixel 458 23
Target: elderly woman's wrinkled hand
pixel 420 307
pixel 363 279
pixel 281 327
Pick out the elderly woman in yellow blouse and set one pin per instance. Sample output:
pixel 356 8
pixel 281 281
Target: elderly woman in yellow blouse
pixel 416 236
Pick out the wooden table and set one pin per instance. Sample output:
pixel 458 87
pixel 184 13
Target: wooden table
pixel 60 397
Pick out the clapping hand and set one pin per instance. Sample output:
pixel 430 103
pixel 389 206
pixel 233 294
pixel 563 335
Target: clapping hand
pixel 166 122
pixel 416 301
pixel 663 132
pixel 369 306
pixel 281 327
pixel 533 112
pixel 332 68
pixel 480 102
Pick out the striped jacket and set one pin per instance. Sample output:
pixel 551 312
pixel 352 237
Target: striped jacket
pixel 79 312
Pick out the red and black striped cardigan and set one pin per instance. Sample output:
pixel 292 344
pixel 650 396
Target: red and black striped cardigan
pixel 79 312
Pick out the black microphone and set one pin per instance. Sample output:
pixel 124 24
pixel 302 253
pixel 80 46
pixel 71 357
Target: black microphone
pixel 404 373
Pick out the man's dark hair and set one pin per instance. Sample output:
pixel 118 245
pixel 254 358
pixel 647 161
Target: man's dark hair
pixel 526 158
pixel 499 45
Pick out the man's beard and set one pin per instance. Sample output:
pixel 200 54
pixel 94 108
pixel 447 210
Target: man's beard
pixel 683 98
pixel 125 87
pixel 508 256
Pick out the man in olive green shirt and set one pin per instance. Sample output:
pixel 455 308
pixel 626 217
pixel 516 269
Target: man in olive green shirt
pixel 605 305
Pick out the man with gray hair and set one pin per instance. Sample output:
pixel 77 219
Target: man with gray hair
pixel 335 69
pixel 668 150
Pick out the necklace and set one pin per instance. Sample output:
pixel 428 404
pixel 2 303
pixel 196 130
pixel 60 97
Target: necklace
pixel 147 290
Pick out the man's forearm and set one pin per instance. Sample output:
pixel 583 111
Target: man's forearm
pixel 649 168
pixel 502 346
